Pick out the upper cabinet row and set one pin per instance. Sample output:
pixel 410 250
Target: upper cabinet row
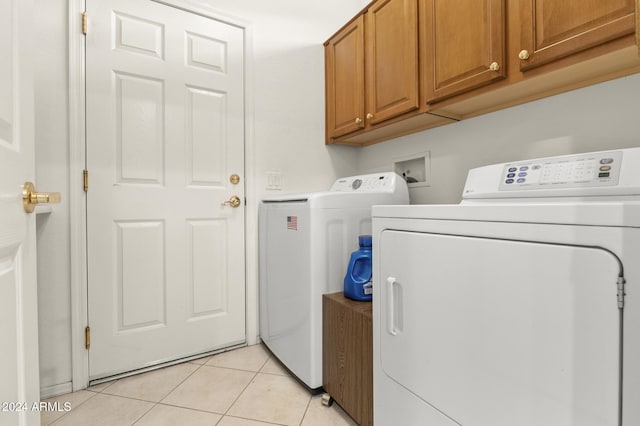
pixel 406 65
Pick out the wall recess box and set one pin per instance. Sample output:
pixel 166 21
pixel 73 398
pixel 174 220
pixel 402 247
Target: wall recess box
pixel 415 169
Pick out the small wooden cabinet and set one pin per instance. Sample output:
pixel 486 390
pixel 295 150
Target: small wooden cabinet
pixel 344 69
pixel 552 29
pixel 347 355
pixel 371 68
pixel 391 59
pixel 463 45
pixel 553 47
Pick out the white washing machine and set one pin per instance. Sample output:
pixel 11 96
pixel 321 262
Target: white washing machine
pixel 305 244
pixel 518 307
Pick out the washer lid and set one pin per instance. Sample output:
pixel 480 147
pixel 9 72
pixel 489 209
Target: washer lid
pixel 339 200
pixel 353 192
pixel 288 198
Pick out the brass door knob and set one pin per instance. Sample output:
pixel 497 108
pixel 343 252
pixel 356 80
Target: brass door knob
pixel 30 197
pixel 358 120
pixel 233 201
pixel 524 55
pixel 494 66
pixel 369 116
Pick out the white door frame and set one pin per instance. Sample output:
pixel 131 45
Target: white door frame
pixel 77 196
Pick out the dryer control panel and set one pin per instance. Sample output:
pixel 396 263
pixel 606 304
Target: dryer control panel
pixel 603 173
pixel 583 170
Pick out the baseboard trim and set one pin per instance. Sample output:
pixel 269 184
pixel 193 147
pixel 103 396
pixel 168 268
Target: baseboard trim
pixel 55 390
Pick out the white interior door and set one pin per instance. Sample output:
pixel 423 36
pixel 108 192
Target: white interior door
pixel 19 376
pixel 165 131
pixel 498 333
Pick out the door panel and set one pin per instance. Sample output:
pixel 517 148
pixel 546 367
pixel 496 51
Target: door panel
pixel 206 136
pixel 139 129
pixel 141 280
pixel 165 130
pixel 208 275
pixel 19 364
pixel 496 332
pixel 461 41
pixel 392 59
pixel 344 63
pixel 552 30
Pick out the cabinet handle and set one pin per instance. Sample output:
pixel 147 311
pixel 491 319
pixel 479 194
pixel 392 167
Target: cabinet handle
pixel 369 116
pixel 358 120
pixel 524 55
pixel 494 66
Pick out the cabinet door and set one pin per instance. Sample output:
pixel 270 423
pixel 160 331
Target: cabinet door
pixel 347 355
pixel 344 62
pixel 392 59
pixel 463 45
pixel 554 29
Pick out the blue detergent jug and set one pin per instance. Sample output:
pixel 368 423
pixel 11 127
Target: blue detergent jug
pixel 357 282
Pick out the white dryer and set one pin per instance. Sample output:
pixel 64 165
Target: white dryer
pixel 305 242
pixel 518 307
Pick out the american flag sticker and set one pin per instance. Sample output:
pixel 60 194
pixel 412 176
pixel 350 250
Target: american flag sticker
pixel 292 223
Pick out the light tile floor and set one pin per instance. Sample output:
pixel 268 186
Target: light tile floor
pixel 243 387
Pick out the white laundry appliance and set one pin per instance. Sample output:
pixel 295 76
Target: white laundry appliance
pixel 305 242
pixel 518 307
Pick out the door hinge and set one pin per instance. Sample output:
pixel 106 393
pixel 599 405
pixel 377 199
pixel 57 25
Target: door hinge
pixel 87 337
pixel 84 23
pixel 85 180
pixel 621 293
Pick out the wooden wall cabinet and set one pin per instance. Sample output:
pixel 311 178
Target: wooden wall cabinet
pixel 344 71
pixel 373 76
pixel 463 45
pixel 554 47
pixel 474 57
pixel 391 58
pixel 347 355
pixel 551 29
pixel 372 68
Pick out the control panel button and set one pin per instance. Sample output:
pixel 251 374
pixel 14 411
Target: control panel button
pixel 605 168
pixel 522 174
pixel 606 161
pixel 513 169
pixel 356 184
pixel 524 168
pixel 604 174
pixel 511 175
pixel 521 180
pixel 508 181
